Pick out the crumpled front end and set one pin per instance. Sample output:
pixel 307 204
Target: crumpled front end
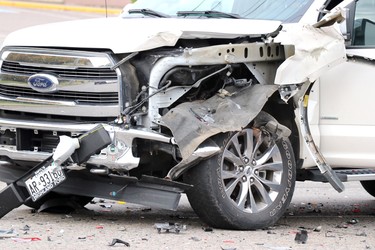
pixel 161 102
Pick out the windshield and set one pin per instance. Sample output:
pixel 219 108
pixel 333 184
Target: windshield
pixel 285 10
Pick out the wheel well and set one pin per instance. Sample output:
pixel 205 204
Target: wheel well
pixel 284 114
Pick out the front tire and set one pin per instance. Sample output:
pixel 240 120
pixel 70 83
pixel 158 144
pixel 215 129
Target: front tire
pixel 249 185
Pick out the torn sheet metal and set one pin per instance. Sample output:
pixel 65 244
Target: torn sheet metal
pixel 192 123
pixel 315 51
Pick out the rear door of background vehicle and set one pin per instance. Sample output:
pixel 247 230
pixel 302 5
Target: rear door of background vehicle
pixel 347 97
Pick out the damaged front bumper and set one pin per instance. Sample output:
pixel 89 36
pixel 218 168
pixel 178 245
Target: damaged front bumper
pixel 117 156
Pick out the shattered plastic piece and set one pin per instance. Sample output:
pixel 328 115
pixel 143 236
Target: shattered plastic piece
pixel 99 227
pixel 314 208
pixel 301 237
pixel 329 234
pixel 7 233
pixel 26 239
pixel 61 233
pixel 194 238
pixel 353 221
pixel 169 226
pixel 317 229
pixel 118 241
pixel 65 149
pixel 342 226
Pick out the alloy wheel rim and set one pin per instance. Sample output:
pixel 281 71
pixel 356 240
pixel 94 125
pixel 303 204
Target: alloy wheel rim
pixel 251 170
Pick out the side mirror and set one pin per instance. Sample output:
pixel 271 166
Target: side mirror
pixel 346 27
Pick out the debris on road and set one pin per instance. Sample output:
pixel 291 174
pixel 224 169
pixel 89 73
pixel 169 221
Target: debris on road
pixel 118 241
pixel 329 234
pixel 27 239
pixel 7 233
pixel 207 229
pixel 317 229
pixel 169 226
pixel 353 221
pixel 26 228
pixel 301 236
pixel 194 238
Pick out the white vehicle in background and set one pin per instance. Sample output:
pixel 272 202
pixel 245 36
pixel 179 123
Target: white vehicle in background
pixel 230 101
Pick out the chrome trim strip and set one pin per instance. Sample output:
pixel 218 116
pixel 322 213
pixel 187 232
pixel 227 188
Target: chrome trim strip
pixel 59 108
pixel 46 102
pixel 104 85
pixel 49 126
pixel 67 59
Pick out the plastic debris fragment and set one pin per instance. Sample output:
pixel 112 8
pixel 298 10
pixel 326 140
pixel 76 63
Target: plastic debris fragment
pixel 26 239
pixel 353 221
pixel 317 229
pixel 7 233
pixel 118 241
pixel 169 226
pixel 194 238
pixel 301 237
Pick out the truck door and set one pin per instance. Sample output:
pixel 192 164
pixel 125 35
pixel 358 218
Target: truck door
pixel 347 103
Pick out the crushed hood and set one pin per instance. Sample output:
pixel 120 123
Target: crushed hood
pixel 134 34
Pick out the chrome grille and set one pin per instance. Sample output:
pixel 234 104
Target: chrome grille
pixel 87 86
pixel 77 73
pixel 77 97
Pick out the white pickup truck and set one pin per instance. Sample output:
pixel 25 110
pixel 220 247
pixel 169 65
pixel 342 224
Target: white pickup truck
pixel 228 101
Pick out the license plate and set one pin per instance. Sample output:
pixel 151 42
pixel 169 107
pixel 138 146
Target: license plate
pixel 43 180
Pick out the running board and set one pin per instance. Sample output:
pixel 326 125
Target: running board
pixel 345 175
pixel 356 174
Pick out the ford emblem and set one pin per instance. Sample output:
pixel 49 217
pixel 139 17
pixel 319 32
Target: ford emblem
pixel 43 82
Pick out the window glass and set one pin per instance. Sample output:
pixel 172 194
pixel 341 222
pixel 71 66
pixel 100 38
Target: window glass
pixel 364 23
pixel 285 10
